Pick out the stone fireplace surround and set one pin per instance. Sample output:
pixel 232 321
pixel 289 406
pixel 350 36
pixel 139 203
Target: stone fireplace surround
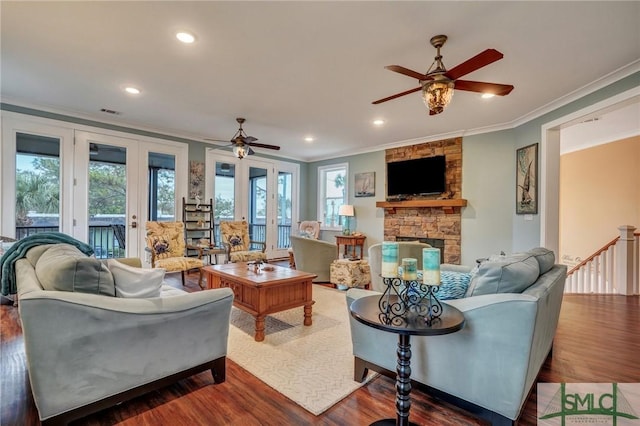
pixel 442 223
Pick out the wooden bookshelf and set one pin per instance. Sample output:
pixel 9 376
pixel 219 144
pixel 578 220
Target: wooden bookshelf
pixel 447 205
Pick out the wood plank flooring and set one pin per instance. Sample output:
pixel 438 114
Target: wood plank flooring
pixel 598 340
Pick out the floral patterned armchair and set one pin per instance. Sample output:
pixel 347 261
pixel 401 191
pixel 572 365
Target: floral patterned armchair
pixel 165 241
pixel 235 239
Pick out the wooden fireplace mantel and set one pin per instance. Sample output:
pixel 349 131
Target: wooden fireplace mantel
pixel 446 205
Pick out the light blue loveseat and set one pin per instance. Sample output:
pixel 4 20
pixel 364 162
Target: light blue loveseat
pixel 86 352
pixel 490 366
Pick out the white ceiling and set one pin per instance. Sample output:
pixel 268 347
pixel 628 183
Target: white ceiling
pixel 306 68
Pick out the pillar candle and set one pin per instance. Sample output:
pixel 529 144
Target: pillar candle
pixel 409 268
pixel 389 259
pixel 431 266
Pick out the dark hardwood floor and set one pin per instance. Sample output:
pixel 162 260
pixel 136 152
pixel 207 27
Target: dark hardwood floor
pixel 598 340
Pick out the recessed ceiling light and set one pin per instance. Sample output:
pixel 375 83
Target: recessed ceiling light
pixel 185 37
pixel 378 122
pixel 309 139
pixel 487 95
pixel 132 90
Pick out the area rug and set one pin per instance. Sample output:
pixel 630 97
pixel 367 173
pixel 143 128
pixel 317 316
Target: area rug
pixel 312 366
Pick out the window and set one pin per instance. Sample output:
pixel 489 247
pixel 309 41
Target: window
pixel 332 193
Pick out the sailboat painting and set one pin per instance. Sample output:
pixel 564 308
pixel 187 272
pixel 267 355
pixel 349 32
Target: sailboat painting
pixel 527 180
pixel 365 184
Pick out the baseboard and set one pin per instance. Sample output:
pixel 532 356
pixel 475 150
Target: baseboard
pixel 217 367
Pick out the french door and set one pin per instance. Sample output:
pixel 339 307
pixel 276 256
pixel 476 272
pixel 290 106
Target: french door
pixel 106 193
pixel 264 193
pixel 120 184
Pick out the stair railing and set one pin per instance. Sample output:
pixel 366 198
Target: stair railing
pixel 612 269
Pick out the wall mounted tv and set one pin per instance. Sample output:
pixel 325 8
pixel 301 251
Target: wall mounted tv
pixel 416 177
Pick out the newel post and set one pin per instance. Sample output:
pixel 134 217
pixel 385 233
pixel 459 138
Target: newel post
pixel 624 260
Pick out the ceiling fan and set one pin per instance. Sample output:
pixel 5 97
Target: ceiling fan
pixel 242 143
pixel 437 84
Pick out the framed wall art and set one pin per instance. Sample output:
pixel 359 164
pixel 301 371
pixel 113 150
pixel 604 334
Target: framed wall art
pixel 527 179
pixel 365 184
pixel 196 179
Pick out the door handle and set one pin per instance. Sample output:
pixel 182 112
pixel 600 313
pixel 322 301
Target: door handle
pixel 134 224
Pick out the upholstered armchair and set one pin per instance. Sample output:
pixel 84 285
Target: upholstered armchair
pixel 306 229
pixel 236 242
pixel 165 242
pixel 314 256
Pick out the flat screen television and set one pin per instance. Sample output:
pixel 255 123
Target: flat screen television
pixel 416 177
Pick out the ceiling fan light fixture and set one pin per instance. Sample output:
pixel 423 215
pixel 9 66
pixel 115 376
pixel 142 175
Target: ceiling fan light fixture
pixel 240 150
pixel 437 93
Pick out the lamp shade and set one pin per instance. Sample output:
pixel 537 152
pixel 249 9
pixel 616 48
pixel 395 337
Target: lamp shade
pixel 346 210
pixel 240 150
pixel 437 93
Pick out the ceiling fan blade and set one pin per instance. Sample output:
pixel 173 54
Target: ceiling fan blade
pixel 216 140
pixel 250 151
pixel 406 71
pixel 249 139
pixel 480 60
pixel 397 95
pixel 482 87
pixel 264 145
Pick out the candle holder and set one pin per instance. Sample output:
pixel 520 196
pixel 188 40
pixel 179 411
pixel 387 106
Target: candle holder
pixel 408 301
pixel 422 301
pixel 392 307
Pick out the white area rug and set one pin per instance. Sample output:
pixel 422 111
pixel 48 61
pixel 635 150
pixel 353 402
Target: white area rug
pixel 313 366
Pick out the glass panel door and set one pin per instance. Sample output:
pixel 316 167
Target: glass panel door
pixel 224 185
pixel 107 200
pixel 285 209
pixel 106 207
pixel 258 204
pixel 37 184
pixel 162 187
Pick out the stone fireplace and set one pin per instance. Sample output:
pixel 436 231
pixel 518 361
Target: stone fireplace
pixel 433 242
pixel 431 217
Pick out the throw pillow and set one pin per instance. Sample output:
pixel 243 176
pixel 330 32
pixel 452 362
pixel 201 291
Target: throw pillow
pixel 161 248
pixel 453 285
pixel 504 274
pixel 545 257
pixel 65 268
pixel 235 241
pixel 136 282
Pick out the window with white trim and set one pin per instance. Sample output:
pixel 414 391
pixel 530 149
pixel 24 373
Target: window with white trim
pixel 332 193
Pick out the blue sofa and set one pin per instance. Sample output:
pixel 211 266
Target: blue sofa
pixel 87 349
pixel 511 313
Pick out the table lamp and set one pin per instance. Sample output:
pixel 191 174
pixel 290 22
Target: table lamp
pixel 347 211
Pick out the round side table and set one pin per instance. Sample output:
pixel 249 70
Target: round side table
pixel 366 310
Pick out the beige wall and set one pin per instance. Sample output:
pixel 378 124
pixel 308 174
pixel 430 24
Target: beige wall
pixel 599 191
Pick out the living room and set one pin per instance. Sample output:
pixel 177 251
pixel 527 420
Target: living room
pixel 488 224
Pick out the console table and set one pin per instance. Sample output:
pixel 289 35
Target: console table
pixel 367 311
pixel 352 241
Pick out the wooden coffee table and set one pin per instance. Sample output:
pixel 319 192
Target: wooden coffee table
pixel 264 292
